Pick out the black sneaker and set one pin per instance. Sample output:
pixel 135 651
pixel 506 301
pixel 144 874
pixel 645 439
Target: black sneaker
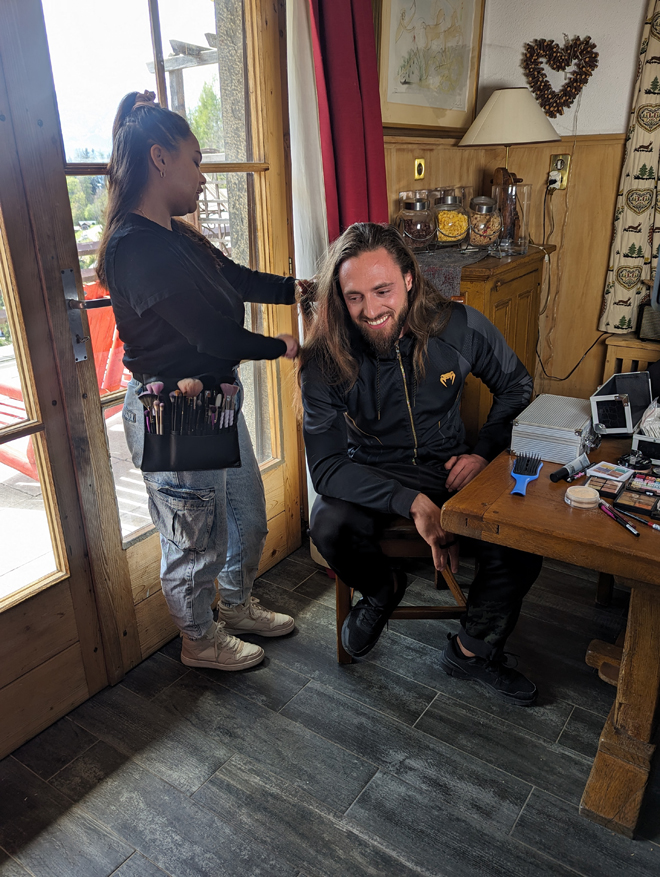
pixel 493 673
pixel 366 620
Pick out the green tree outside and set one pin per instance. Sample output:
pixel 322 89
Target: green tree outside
pixel 206 119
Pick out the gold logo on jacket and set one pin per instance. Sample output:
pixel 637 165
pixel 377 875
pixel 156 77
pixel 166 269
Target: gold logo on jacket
pixel 447 378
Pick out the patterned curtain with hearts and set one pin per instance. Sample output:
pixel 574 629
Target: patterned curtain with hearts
pixel 636 239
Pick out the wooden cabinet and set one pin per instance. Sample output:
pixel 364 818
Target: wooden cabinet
pixel 508 292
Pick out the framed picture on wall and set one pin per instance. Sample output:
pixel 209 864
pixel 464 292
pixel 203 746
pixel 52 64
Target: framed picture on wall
pixel 429 52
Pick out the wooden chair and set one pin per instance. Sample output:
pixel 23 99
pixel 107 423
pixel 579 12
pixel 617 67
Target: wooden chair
pixel 401 539
pixel 626 353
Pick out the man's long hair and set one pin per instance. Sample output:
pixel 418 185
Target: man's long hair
pixel 328 323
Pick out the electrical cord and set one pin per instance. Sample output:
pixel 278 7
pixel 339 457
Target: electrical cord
pixel 577 364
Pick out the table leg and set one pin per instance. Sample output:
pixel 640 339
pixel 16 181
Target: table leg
pixel 616 784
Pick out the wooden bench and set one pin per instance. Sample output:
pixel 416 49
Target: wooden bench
pixel 626 353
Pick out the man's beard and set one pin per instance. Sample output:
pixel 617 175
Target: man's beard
pixel 381 343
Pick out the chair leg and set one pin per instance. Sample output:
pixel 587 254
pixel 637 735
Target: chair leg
pixel 454 587
pixel 343 607
pixel 440 583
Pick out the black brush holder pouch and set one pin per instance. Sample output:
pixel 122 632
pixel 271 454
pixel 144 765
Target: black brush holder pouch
pixel 189 443
pixel 189 453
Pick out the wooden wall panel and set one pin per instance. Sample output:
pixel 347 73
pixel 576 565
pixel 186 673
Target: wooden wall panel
pixel 274 489
pixel 36 630
pixel 276 544
pixel 144 567
pixel 41 696
pixel 583 216
pixel 154 623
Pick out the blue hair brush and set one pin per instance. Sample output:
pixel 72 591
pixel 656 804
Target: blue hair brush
pixel 525 469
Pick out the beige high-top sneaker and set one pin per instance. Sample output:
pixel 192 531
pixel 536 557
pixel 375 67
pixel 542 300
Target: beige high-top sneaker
pixel 219 651
pixel 250 617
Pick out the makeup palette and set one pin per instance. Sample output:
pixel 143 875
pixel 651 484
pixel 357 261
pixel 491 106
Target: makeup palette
pixel 649 484
pixel 639 503
pixel 606 487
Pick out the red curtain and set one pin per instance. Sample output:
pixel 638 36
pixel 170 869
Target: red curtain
pixel 349 113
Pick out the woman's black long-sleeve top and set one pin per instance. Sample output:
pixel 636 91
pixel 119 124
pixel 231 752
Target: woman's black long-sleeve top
pixel 179 306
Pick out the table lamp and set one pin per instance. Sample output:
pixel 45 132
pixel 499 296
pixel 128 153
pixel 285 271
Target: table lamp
pixel 510 115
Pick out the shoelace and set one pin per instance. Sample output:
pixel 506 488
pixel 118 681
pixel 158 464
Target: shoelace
pixel 228 641
pixel 258 612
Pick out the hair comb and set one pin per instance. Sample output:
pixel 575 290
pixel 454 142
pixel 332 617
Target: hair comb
pixel 525 469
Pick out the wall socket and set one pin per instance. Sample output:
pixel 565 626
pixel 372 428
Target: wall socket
pixel 420 168
pixel 559 165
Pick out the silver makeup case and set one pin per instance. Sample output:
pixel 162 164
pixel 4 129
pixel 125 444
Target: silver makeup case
pixel 556 428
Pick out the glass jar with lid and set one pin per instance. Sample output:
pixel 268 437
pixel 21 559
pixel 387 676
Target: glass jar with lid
pixel 485 221
pixel 416 224
pixel 451 220
pixel 415 195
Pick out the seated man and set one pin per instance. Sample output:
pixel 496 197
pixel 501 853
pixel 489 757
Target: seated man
pixel 382 372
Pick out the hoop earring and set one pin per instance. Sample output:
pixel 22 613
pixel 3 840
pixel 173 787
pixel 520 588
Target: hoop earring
pixel 162 175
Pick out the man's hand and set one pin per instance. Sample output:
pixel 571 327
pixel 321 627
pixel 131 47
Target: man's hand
pixel 426 516
pixel 291 346
pixel 463 469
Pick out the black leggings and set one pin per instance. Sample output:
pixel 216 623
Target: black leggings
pixel 347 536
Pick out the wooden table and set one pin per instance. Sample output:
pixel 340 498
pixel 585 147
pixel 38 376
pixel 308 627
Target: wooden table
pixel 544 524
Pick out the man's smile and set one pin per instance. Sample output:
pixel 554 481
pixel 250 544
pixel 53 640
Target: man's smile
pixel 378 321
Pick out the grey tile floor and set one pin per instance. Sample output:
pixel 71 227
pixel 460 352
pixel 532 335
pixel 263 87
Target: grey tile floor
pixel 300 767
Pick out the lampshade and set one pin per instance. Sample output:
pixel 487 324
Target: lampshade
pixel 510 115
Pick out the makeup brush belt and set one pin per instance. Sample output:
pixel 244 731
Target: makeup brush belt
pixel 189 433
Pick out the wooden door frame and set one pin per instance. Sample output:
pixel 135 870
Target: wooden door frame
pixel 134 621
pixel 45 246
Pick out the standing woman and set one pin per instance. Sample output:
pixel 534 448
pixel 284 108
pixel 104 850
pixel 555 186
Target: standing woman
pixel 179 306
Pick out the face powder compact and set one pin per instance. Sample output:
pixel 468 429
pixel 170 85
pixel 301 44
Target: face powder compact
pixel 582 497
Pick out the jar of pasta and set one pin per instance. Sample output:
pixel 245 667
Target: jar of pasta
pixel 416 224
pixel 451 220
pixel 485 221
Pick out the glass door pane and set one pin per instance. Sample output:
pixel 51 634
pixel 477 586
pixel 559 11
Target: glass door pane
pixel 203 49
pixel 26 548
pixel 26 545
pixel 99 51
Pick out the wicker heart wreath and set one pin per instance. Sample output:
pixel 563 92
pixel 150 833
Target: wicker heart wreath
pixel 580 52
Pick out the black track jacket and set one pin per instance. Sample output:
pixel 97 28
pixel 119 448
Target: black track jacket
pixel 388 418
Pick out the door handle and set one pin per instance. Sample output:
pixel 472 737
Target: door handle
pixel 77 305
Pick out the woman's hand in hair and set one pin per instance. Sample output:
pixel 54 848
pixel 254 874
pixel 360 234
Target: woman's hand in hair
pixel 190 386
pixel 291 346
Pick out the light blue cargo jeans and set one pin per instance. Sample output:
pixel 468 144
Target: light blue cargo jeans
pixel 212 525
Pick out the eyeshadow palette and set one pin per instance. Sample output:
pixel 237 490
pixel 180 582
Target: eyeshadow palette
pixel 610 471
pixel 646 484
pixel 640 503
pixel 607 488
